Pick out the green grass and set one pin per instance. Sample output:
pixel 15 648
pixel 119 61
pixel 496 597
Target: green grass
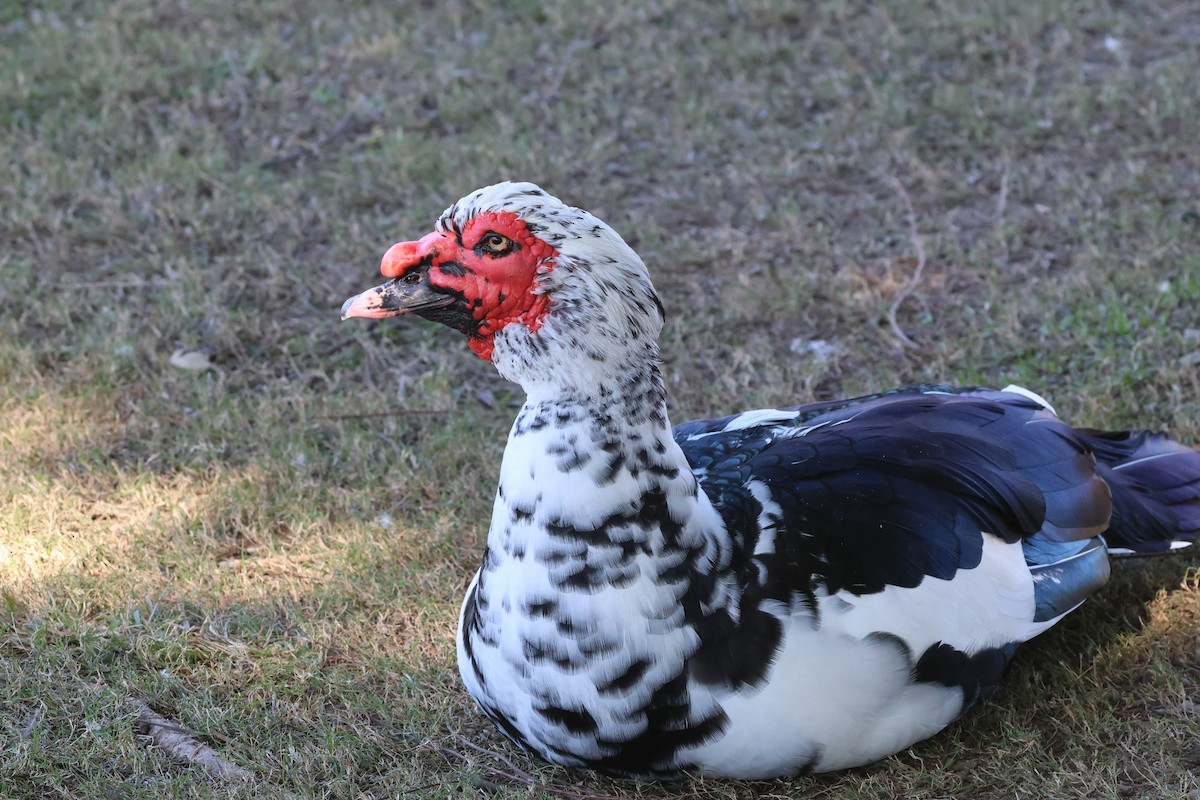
pixel 271 552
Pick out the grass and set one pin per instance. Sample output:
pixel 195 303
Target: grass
pixel 271 551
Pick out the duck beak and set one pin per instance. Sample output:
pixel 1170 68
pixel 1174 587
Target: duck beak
pixel 396 297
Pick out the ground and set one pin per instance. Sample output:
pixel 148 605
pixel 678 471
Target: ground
pixel 218 500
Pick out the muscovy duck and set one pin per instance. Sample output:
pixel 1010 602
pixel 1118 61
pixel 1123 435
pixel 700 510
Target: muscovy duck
pixel 780 591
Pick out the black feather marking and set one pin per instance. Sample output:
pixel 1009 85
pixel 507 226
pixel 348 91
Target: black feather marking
pixel 505 725
pixel 977 674
pixel 626 679
pixel 470 624
pixel 612 469
pixel 736 654
pixel 547 607
pixel 669 728
pixel 521 513
pixel 577 721
pixel 554 652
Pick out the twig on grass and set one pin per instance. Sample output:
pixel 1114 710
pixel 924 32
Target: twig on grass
pixel 312 149
pixel 31 723
pixel 239 85
pixel 182 745
pixel 913 282
pixel 403 412
pixel 516 775
pixel 503 759
pixel 1002 197
pixel 422 790
pixel 561 73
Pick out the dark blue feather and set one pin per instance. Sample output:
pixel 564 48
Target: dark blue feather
pixel 898 487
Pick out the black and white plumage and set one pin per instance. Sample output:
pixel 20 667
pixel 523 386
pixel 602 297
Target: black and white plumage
pixel 780 591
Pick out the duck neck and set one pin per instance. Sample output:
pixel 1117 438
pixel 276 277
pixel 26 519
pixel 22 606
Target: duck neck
pixel 586 604
pixel 594 492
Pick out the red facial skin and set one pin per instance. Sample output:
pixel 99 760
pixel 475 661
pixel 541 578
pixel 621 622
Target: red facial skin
pixel 499 288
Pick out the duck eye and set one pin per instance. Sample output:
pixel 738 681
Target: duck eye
pixel 495 244
pixel 411 278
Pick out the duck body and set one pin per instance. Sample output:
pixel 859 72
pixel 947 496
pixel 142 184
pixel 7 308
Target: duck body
pixel 781 591
pixel 837 582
